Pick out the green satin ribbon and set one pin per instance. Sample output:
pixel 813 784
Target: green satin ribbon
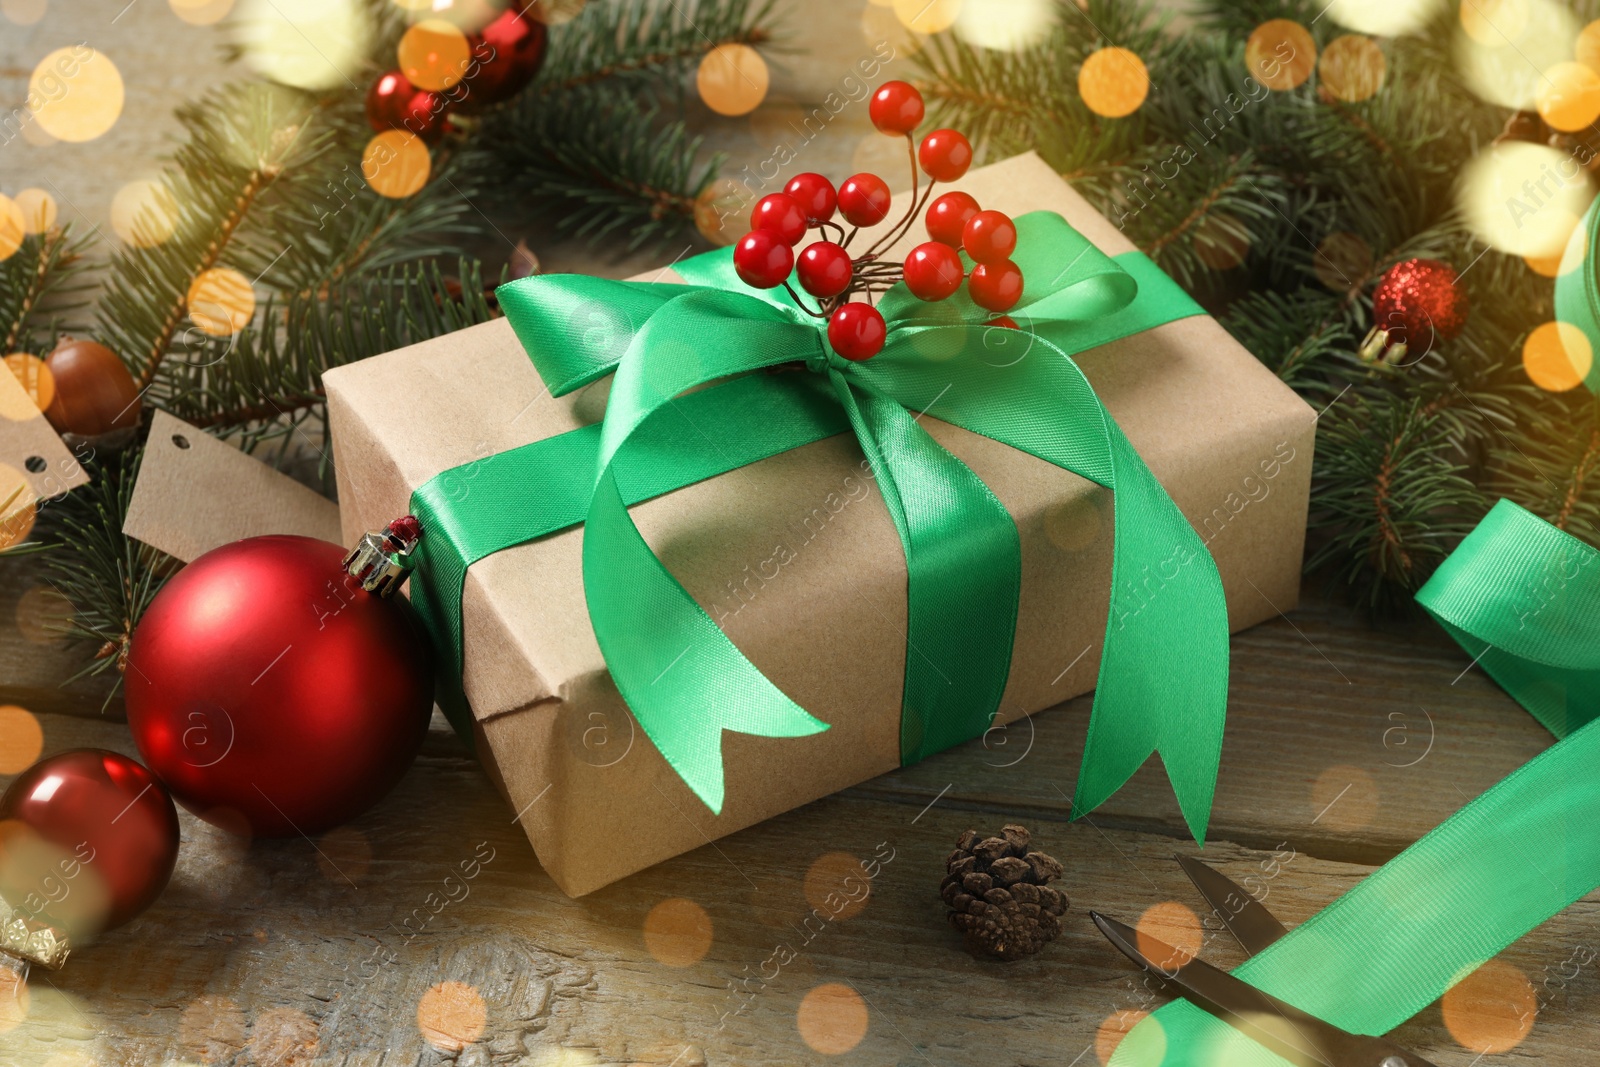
pixel 1524 597
pixel 686 404
pixel 1577 288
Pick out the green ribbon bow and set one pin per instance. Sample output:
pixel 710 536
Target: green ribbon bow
pixel 1523 598
pixel 1577 289
pixel 686 403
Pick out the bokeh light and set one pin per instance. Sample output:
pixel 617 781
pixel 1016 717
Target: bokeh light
pixel 1166 927
pixel 144 213
pixel 1557 356
pixel 719 212
pixel 1111 1032
pixel 1006 25
pixel 832 1019
pixel 38 210
pixel 1523 198
pixel 34 133
pixel 201 12
pixel 43 615
pixel 13 227
pixel 21 739
pixel 221 301
pixel 76 93
pixel 35 378
pixel 17 511
pixel 1587 50
pixel 1384 18
pixel 1352 68
pixel 451 1016
pixel 468 16
pixel 879 25
pixel 927 16
pixel 1494 22
pixel 1569 97
pixel 837 885
pixel 732 79
pixel 1113 82
pixel 1508 66
pixel 434 54
pixel 309 44
pixel 396 164
pixel 23 12
pixel 31 869
pixel 1492 1009
pixel 1280 54
pixel 1344 799
pixel 1220 240
pixel 1343 259
pixel 677 932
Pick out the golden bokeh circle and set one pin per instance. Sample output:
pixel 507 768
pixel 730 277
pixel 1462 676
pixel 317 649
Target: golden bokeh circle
pixel 1494 23
pixel 451 1016
pixel 21 739
pixel 221 301
pixel 43 615
pixel 1343 260
pixel 1110 1033
pixel 33 374
pixel 1491 1010
pixel 344 855
pixel 143 213
pixel 1569 96
pixel 17 510
pixel 719 212
pixel 201 12
pixel 1545 266
pixel 38 209
pixel 1557 356
pixel 1494 200
pixel 1220 240
pixel 1352 68
pixel 879 25
pixel 1280 54
pixel 1344 799
pixel 76 93
pixel 732 79
pixel 1113 82
pixel 677 932
pixel 927 16
pixel 832 1019
pixel 837 885
pixel 23 12
pixel 1587 51
pixel 396 164
pixel 434 54
pixel 1012 26
pixel 13 227
pixel 1175 925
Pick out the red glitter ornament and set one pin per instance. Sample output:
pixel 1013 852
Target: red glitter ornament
pixel 1418 302
pixel 506 55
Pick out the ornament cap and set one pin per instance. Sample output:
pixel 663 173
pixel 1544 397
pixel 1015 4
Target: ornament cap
pixel 33 942
pixel 382 559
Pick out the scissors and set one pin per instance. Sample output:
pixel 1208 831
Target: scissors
pixel 1297 1036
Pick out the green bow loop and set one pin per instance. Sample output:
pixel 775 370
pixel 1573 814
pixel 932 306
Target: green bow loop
pixel 685 404
pixel 1577 292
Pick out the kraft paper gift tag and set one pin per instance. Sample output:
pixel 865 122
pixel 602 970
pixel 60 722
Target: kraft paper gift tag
pixel 35 464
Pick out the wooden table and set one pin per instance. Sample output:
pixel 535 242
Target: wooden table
pixel 1345 743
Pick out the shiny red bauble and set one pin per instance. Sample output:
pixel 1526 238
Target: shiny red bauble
pixel 1419 301
pixel 989 236
pixel 856 331
pixel 948 216
pixel 393 103
pixel 265 687
pixel 933 271
pixel 945 155
pixel 825 269
pixel 763 259
pixel 995 286
pixel 815 195
pixel 506 55
pixel 864 200
pixel 780 213
pixel 88 840
pixel 896 108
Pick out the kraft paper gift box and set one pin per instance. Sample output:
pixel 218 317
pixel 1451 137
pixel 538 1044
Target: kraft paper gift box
pixel 798 561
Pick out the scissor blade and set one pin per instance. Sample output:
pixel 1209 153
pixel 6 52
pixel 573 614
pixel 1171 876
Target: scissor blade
pixel 1295 1035
pixel 1246 918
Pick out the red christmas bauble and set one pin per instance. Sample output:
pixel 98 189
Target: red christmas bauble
pixel 88 840
pixel 933 271
pixel 1418 301
pixel 762 259
pixel 265 685
pixel 825 269
pixel 780 213
pixel 815 194
pixel 989 236
pixel 945 155
pixel 393 103
pixel 856 331
pixel 995 286
pixel 948 216
pixel 506 55
pixel 864 200
pixel 896 108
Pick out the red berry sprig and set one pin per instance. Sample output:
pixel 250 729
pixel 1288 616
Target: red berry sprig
pixel 765 257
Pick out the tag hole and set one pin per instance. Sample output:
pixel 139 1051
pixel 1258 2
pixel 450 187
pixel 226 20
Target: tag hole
pixel 36 464
pixel 180 440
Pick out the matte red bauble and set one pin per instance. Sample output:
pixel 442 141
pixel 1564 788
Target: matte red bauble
pixel 266 685
pixel 948 216
pixel 856 331
pixel 933 271
pixel 95 394
pixel 506 55
pixel 1419 301
pixel 825 269
pixel 88 840
pixel 393 103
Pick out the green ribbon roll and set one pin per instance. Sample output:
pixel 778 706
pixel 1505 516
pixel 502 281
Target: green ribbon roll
pixel 688 402
pixel 1524 599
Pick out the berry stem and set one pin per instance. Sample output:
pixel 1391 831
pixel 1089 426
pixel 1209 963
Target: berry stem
pixel 802 303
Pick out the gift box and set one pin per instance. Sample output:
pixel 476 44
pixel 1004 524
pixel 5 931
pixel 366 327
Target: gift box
pixel 797 561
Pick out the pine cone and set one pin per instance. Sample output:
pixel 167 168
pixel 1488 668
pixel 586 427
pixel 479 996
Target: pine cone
pixel 1000 895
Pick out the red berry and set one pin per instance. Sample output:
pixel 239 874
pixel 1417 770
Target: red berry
pixel 780 213
pixel 945 155
pixel 989 236
pixel 762 259
pixel 896 108
pixel 948 217
pixel 995 286
pixel 864 200
pixel 856 331
pixel 815 195
pixel 933 271
pixel 1006 321
pixel 825 269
